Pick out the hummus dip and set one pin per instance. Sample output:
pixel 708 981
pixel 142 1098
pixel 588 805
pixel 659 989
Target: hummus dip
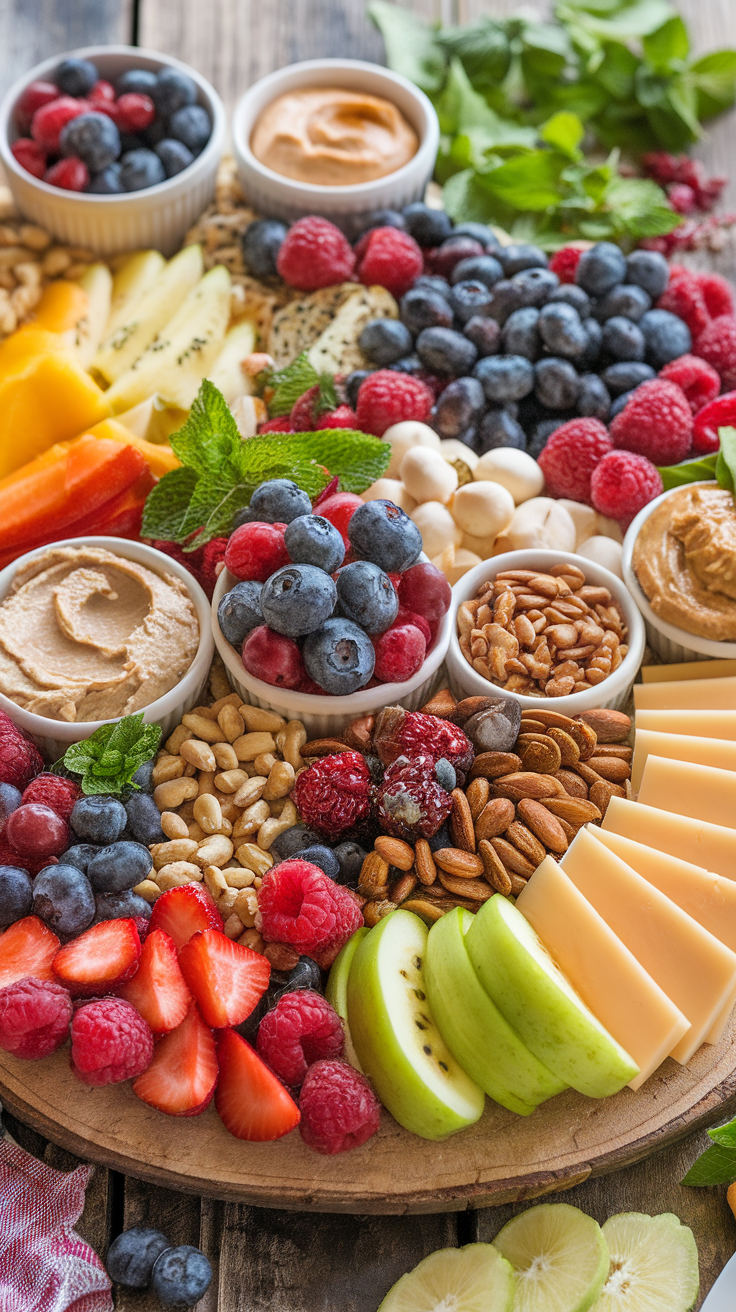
pixel 332 137
pixel 685 560
pixel 88 635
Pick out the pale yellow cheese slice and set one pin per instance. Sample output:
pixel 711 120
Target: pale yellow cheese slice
pixel 696 971
pixel 688 670
pixel 619 992
pixel 687 789
pixel 710 846
pixel 699 724
pixel 715 752
pixel 686 694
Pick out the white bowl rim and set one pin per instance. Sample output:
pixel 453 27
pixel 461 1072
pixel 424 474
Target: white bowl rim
pixel 358 703
pixel 42 726
pixel 599 576
pixel 127 199
pixel 353 189
pixel 706 646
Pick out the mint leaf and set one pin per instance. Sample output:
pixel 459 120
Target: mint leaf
pixel 564 131
pixel 165 511
pixel 530 182
pixel 668 44
pixel 640 207
pixel 210 433
pixel 690 471
pixel 714 80
pixel 483 49
pixel 327 398
pixel 717 1165
pixel 291 383
pixel 726 461
pixel 411 45
pixel 109 758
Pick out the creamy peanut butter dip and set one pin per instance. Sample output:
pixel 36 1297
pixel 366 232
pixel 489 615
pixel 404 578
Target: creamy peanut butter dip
pixel 86 634
pixel 685 560
pixel 333 137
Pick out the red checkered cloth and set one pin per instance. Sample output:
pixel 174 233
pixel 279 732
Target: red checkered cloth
pixel 44 1265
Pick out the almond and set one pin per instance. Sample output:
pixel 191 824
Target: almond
pixel 609 726
pixel 424 861
pixel 551 719
pixel 492 765
pixel 454 861
pixel 477 792
pixel 513 860
pixel 587 772
pixel 524 783
pixel 573 809
pixel 523 839
pixel 572 783
pixel 621 751
pixel 429 912
pixel 360 732
pixel 373 879
pixel 585 737
pixel 442 705
pixel 461 822
pixel 324 747
pixel 569 749
pixel 376 910
pixel 403 888
pixel 542 823
pixel 611 768
pixel 542 756
pixel 495 871
pixel 531 725
pixel 495 818
pixel 395 851
pixel 602 792
pixel 476 890
pixel 568 830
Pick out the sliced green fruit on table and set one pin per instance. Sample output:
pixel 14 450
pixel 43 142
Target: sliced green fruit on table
pixel 540 1003
pixel 149 314
pixel 471 1279
pixel 337 990
pixel 560 1258
pixel 475 1031
pixel 396 1037
pixel 654 1265
pixel 133 277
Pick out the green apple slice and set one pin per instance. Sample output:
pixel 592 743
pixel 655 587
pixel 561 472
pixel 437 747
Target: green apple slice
pixel 149 314
pixel 654 1265
pixel 337 990
pixel 134 275
pixel 396 1038
pixel 471 1279
pixel 540 1003
pixel 474 1029
pixel 226 373
pixel 560 1257
pixel 96 281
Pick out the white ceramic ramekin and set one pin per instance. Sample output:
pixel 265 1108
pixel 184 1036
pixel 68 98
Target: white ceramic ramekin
pixel 323 716
pixel 155 217
pixel 611 694
pixel 54 736
pixel 286 199
pixel 668 640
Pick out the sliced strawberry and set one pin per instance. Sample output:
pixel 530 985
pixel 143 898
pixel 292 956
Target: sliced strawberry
pixel 27 948
pixel 157 990
pixel 251 1103
pixel 183 1073
pixel 184 911
pixel 104 956
pixel 226 978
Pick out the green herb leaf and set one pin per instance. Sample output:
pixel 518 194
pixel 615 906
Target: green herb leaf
pixel 714 80
pixel 411 45
pixel 564 131
pixel 726 460
pixel 165 511
pixel 725 1135
pixel 670 43
pixel 530 182
pixel 291 383
pixel 108 759
pixel 484 50
pixel 690 471
pixel 717 1165
pixel 640 207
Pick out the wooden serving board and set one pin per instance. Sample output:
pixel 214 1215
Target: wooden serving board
pixel 502 1159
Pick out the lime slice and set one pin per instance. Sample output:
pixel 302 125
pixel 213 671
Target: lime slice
pixel 471 1279
pixel 560 1257
pixel 654 1265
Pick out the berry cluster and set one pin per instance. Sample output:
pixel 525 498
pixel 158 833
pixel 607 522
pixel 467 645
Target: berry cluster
pixel 81 133
pixel 685 180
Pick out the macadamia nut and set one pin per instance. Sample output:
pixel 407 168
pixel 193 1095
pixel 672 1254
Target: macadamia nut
pixel 437 527
pixel 608 528
pixel 390 489
pixel 541 522
pixel 409 433
pixel 456 561
pixel 482 547
pixel 453 450
pixel 605 552
pixel 483 509
pixel 518 472
pixel 583 517
pixel 427 476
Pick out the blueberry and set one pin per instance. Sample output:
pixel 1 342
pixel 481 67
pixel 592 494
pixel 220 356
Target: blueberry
pixel 80 855
pixel 292 841
pixel 10 800
pixel 444 351
pixel 428 227
pixel 600 268
pixel 536 285
pixel 620 403
pixel 626 375
pixel 239 611
pixel 382 532
pixel 505 377
pixel 432 282
pixel 352 385
pixel 622 339
pixel 441 839
pixel 94 138
pixel 350 857
pixel 384 341
pixel 118 866
pixel 377 219
pixel 626 299
pixel 593 342
pixel 63 898
pixel 192 125
pixel 144 819
pixel 297 599
pixel 323 857
pixel 279 500
pixel 570 294
pixel 75 77
pixel 107 182
pixel 140 169
pixel 518 256
pixel 666 337
pixel 367 596
pixel 154 134
pixel 594 399
pixel 499 428
pixel 99 819
pixel 313 540
pixel 458 406
pixel 16 894
pixel 172 90
pixel 174 156
pixel 410 365
pixel 262 241
pixel 181 1276
pixel 340 656
pixel 650 270
pixel 445 775
pixel 556 383
pixel 306 974
pixel 520 333
pixel 143 777
pixel 478 268
pixel 485 334
pixel 507 297
pixel 562 330
pixel 120 906
pixel 542 432
pixel 131 1256
pixel 479 232
pixel 139 80
pixel 469 437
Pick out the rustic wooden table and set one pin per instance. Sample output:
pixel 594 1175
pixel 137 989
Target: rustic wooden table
pixel 286 1261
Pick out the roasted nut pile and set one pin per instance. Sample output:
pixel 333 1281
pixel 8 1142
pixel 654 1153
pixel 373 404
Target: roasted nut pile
pixel 543 635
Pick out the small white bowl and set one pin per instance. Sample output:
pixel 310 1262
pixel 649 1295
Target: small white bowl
pixel 669 641
pixel 155 217
pixel 611 694
pixel 54 736
pixel 323 716
pixel 284 198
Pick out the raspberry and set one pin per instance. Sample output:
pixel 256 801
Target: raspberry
pixel 339 1109
pixel 30 156
pixel 213 554
pixel 411 617
pixel 256 551
pixel 410 733
pixel 390 258
pixel 698 380
pixel 20 759
pixel 102 93
pixel 720 413
pixel 623 483
pixel 110 1042
pixel 570 455
pixel 565 262
pixel 134 112
pixel 300 1029
pixel 409 802
pixel 53 791
pixel 387 398
pixel 9 857
pixel 280 425
pixel 315 254
pixel 684 298
pixel 301 419
pixel 716 293
pixel 342 417
pixel 70 174
pixel 656 422
pixel 682 198
pixel 34 1018
pixel 50 119
pixel 299 905
pixel 717 345
pixel 400 653
pixel 35 95
pixel 334 793
pixel 662 166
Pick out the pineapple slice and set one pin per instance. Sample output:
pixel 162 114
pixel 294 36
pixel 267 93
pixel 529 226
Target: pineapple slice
pixel 149 314
pixel 226 373
pixel 96 281
pixel 133 277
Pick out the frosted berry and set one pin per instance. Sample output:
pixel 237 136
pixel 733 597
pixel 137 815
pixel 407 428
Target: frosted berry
pixel 300 905
pixel 657 422
pixel 30 156
pixel 717 294
pixel 623 483
pixel 99 819
pixel 102 93
pixel 600 268
pixel 717 345
pixel 278 501
pixel 565 262
pixel 134 111
pixel 571 454
pixel 367 596
pixel 315 254
pixel 333 794
pixel 36 94
pixel 389 258
pixel 130 1257
pixel 93 138
pixel 181 1276
pixel 239 611
pixel 110 1042
pixel 16 894
pixel 302 417
pixel 35 830
pixel 339 657
pixel 387 398
pixel 273 657
pixel 410 803
pixel 298 599
pixel 400 653
pixel 256 551
pixel 313 540
pixel 55 792
pixel 50 120
pixel 411 733
pixel 75 77
pixel 339 1109
pixel 383 533
pixel 70 174
pixel 719 413
pixel 448 255
pixel 697 379
pixel 20 759
pixel 302 1028
pixel 63 899
pixel 35 1016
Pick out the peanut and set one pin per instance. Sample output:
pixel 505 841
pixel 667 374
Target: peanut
pixel 250 745
pixel 173 825
pixel 168 796
pixel 252 818
pixel 225 757
pixel 208 730
pixel 250 791
pixel 276 825
pixel 258 720
pixel 178 872
pixel 207 813
pixel 148 890
pixel 254 860
pixel 166 768
pixel 290 741
pixel 231 722
pixel 252 939
pixel 238 878
pixel 229 781
pixel 178 849
pixel 178 737
pixel 280 781
pixel 215 881
pixel 198 754
pixel 233 926
pixel 216 850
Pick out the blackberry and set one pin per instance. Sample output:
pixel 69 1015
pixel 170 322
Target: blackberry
pixel 600 268
pixel 458 406
pixel 649 270
pixel 520 334
pixel 556 383
pixel 499 428
pixel 505 377
pixel 446 352
pixel 428 227
pixel 424 307
pixel 622 339
pixel 485 334
pixel 594 399
pixel 562 331
pixel 469 299
pixel 518 256
pixel 479 268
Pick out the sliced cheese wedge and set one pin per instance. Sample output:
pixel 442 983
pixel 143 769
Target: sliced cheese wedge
pixel 711 846
pixel 696 971
pixel 698 791
pixel 686 694
pixel 609 979
pixel 699 724
pixel 688 670
pixel 716 752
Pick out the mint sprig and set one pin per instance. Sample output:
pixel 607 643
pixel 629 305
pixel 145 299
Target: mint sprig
pixel 109 758
pixel 293 381
pixel 719 465
pixel 717 1165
